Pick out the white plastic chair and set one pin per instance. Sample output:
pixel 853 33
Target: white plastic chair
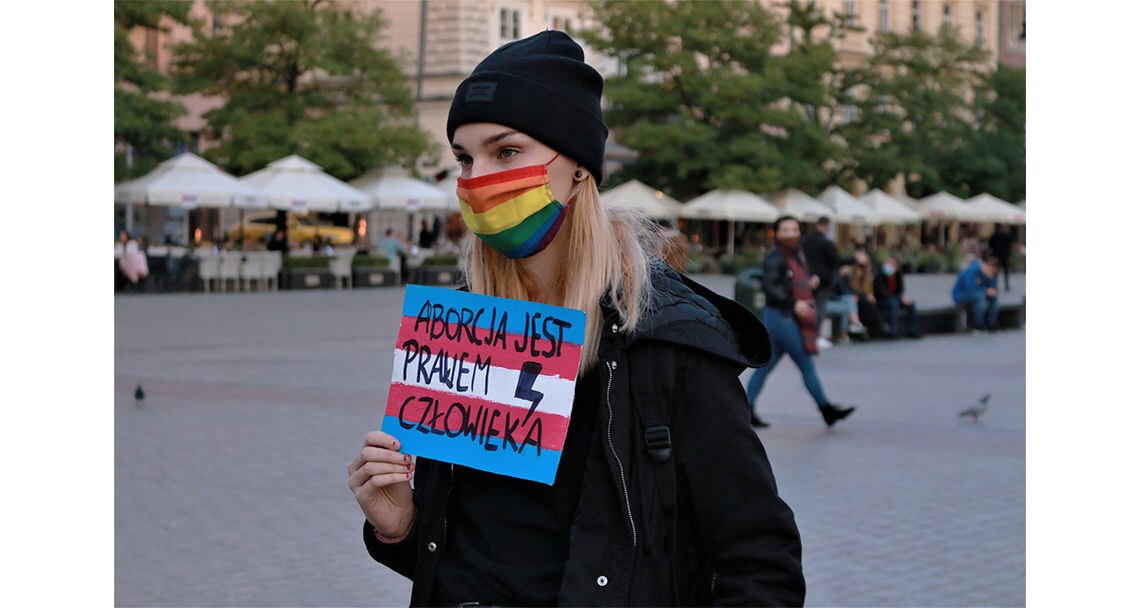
pixel 230 270
pixel 251 272
pixel 270 266
pixel 209 265
pixel 341 267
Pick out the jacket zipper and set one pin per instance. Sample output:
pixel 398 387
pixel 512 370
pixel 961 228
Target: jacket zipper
pixel 611 366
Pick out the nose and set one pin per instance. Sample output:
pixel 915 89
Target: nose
pixel 478 167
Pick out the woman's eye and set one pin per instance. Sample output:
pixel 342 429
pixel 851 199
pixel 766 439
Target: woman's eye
pixel 463 160
pixel 507 152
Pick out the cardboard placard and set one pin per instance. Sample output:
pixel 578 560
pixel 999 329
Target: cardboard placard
pixel 484 382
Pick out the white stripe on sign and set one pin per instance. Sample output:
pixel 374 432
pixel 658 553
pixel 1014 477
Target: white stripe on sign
pixel 485 382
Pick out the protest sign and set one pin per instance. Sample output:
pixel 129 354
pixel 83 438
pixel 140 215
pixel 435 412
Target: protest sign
pixel 484 382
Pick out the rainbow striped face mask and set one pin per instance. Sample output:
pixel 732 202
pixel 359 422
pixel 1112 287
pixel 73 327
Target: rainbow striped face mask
pixel 513 211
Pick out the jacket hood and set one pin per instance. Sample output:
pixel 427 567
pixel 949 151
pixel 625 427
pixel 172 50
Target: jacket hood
pixel 687 313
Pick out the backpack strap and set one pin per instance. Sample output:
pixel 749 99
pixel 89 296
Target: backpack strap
pixel 656 371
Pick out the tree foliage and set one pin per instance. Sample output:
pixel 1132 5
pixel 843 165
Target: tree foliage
pixel 144 122
pixel 301 77
pixel 706 102
pixel 992 157
pixel 914 105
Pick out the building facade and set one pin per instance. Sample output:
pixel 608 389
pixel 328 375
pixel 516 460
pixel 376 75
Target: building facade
pixel 439 42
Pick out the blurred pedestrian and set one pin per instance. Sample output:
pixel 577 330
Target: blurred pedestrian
pixel 862 282
pixel 277 242
pixel 627 521
pixel 427 235
pixel 823 261
pixel 1001 247
pixel 789 309
pixel 890 288
pixel 976 290
pixel 133 264
pixel 394 248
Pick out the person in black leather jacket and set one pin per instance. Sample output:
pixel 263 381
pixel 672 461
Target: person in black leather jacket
pixel 646 505
pixel 785 270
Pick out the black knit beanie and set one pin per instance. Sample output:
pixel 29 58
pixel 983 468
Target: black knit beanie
pixel 541 86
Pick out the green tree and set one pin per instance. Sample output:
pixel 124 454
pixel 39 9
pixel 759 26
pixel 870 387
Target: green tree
pixel 913 103
pixel 992 157
pixel 703 99
pixel 301 77
pixel 145 133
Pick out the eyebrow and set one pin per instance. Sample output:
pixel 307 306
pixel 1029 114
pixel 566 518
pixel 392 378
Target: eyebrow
pixel 490 140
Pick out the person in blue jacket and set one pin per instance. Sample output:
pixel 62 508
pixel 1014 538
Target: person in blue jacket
pixel 976 289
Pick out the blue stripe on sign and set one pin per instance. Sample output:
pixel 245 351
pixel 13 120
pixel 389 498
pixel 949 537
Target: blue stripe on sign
pixel 516 310
pixel 463 451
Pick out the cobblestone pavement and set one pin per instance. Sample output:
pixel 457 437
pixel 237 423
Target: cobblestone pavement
pixel 230 486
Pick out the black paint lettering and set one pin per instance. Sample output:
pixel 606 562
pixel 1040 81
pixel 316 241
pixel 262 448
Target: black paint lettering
pixel 508 430
pixel 534 437
pixel 422 374
pixel 485 365
pixel 520 344
pixel 400 417
pixel 411 347
pixel 424 315
pixel 422 426
pixel 492 432
pixel 462 369
pixel 447 427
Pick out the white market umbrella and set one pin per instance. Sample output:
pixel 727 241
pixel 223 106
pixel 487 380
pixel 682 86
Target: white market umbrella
pixel 732 206
pixel 890 210
pixel 848 209
pixel 635 195
pixel 945 206
pixel 295 184
pixel 188 181
pixel 393 188
pixel 801 206
pixel 999 211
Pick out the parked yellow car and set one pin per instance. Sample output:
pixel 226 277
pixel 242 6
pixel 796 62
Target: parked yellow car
pixel 259 225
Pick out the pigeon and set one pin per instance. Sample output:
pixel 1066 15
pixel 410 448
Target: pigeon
pixel 140 396
pixel 977 409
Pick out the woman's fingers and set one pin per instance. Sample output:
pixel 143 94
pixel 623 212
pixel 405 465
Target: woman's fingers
pixel 381 439
pixel 380 474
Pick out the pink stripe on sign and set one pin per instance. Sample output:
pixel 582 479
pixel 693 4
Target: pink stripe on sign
pixel 503 351
pixel 474 418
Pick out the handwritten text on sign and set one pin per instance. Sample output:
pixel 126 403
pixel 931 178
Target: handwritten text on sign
pixel 484 382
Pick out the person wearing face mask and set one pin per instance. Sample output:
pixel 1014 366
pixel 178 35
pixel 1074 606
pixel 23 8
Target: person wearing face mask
pixel 889 293
pixel 789 308
pixel 628 520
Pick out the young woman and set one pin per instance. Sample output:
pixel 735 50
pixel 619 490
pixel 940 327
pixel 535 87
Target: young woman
pixel 664 494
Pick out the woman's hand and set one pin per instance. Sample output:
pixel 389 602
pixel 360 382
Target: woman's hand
pixel 805 311
pixel 380 478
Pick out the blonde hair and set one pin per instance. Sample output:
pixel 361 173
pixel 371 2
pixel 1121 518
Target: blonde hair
pixel 609 250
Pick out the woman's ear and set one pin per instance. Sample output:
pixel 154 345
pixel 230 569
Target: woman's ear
pixel 579 174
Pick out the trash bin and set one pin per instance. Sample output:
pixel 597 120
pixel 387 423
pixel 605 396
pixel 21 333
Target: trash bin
pixel 749 291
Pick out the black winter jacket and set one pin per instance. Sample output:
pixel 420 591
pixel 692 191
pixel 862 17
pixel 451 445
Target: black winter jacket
pixel 736 540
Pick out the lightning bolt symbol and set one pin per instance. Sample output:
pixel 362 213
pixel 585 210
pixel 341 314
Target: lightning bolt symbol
pixel 525 389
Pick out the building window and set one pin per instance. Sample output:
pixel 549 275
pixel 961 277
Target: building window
pixel 850 19
pixel 884 16
pixel 980 28
pixel 916 15
pixel 508 24
pixel 561 23
pixel 849 111
pixel 947 16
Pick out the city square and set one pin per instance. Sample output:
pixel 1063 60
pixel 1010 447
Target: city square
pixel 230 484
